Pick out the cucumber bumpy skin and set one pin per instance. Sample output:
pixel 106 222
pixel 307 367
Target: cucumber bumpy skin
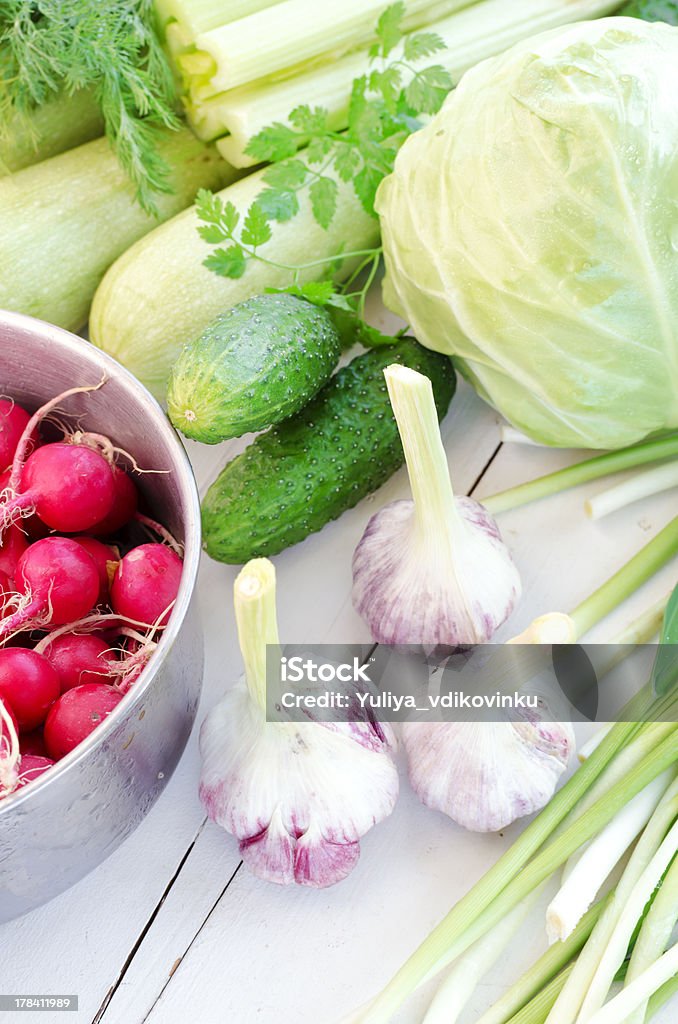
pixel 299 475
pixel 254 366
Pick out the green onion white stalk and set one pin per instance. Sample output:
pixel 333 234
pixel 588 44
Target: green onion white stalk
pixel 292 33
pixel 615 951
pixel 542 974
pixel 654 935
pixel 587 875
pixel 643 485
pixel 470 36
pixel 574 992
pixel 582 472
pixel 477 963
pixel 618 1009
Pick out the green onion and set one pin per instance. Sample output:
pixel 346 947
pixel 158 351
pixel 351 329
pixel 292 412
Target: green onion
pixel 642 485
pixel 637 571
pixel 655 934
pixel 618 1009
pixel 582 472
pixel 543 974
pixel 538 1009
pixel 505 884
pixel 574 992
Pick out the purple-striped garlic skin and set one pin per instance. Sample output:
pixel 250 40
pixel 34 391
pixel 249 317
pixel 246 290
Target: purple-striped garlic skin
pixel 428 592
pixel 298 797
pixel 485 775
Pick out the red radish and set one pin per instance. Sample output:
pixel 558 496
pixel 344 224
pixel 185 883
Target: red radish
pixel 9 749
pixel 29 684
pixel 69 486
pixel 12 546
pixel 60 582
pixel 13 421
pixel 103 555
pixel 30 527
pixel 32 766
pixel 124 504
pixel 33 742
pixel 146 583
pixel 76 714
pixel 80 658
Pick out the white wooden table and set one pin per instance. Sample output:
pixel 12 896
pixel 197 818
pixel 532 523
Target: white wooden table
pixel 173 930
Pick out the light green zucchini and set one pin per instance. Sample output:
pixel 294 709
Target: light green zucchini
pixel 65 220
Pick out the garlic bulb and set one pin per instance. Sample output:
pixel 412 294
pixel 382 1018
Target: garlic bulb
pixel 484 775
pixel 431 572
pixel 298 796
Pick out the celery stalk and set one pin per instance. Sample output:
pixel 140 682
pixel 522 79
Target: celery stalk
pixel 470 35
pixel 64 221
pixel 512 878
pixel 196 16
pixel 297 31
pixel 52 128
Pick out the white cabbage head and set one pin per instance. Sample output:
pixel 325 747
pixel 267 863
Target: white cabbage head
pixel 531 231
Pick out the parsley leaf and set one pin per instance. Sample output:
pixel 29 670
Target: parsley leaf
pixel 278 204
pixel 389 32
pixel 323 193
pixel 421 45
pixel 428 89
pixel 256 228
pixel 277 142
pixel 227 262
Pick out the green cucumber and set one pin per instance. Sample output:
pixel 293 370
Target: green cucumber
pixel 306 471
pixel 254 366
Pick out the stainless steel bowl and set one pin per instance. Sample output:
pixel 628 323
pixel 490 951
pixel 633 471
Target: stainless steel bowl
pixel 66 822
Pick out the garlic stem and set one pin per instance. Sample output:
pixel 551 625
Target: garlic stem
pixel 655 934
pixel 618 1009
pixel 411 396
pixel 588 874
pixel 644 564
pixel 255 616
pixel 642 485
pixel 537 1010
pixel 582 472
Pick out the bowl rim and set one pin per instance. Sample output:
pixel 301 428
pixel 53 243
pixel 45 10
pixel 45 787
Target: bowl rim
pixel 192 543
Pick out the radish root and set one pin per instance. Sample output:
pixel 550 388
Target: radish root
pixel 26 440
pixel 9 776
pixel 161 531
